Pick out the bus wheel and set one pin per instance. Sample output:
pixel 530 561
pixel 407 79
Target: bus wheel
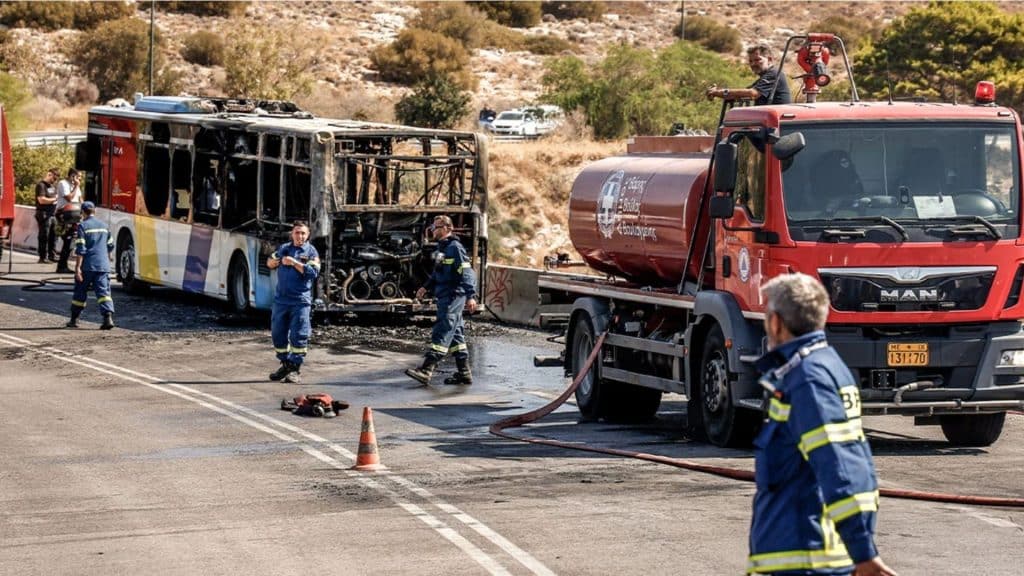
pixel 724 423
pixel 238 285
pixel 972 429
pixel 125 267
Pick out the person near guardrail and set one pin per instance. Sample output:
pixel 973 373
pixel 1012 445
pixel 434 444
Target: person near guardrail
pixel 69 214
pixel 93 246
pixel 817 493
pixel 46 208
pixel 453 282
pixel 298 264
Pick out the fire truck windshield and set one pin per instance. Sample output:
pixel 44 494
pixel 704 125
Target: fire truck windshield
pixel 931 178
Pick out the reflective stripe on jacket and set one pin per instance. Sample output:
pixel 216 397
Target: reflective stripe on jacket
pixel 453 272
pixel 817 493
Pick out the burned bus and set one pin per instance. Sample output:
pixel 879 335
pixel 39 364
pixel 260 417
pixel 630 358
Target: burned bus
pixel 199 191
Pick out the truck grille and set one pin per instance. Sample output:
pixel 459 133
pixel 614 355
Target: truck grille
pixel 908 289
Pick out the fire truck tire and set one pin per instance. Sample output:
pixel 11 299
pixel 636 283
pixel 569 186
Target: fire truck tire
pixel 125 266
pixel 593 394
pixel 238 285
pixel 725 424
pixel 972 429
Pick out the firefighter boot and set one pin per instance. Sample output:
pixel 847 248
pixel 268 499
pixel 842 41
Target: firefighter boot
pixel 424 372
pixel 75 313
pixel 462 376
pixel 285 369
pixel 293 377
pixel 108 322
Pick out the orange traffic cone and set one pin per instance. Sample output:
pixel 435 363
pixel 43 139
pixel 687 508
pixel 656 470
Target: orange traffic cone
pixel 367 458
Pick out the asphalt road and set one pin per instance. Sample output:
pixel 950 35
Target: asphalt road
pixel 160 448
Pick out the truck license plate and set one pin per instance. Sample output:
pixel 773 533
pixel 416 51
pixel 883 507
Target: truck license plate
pixel 902 354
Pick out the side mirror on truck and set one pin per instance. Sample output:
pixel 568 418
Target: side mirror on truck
pixel 788 146
pixel 722 204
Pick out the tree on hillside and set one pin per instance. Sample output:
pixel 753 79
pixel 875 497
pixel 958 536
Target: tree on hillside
pixel 268 63
pixel 418 55
pixel 437 102
pixel 115 57
pixel 13 95
pixel 635 91
pixel 942 50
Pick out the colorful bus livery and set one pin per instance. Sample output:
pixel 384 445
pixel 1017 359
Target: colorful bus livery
pixel 199 191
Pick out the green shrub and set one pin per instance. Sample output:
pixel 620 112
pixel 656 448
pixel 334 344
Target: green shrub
pixel 710 34
pixel 31 164
pixel 17 58
pixel 57 15
pixel 115 57
pixel 517 14
pixel 418 55
pixel 633 91
pixel 547 45
pixel 854 31
pixel 14 94
pixel 437 102
pixel 456 20
pixel 272 64
pixel 494 35
pixel 591 11
pixel 204 48
pixel 223 8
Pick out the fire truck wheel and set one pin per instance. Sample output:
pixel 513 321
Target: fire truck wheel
pixel 592 393
pixel 238 285
pixel 125 266
pixel 972 429
pixel 724 423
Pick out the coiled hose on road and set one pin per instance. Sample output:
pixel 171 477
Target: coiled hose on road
pixel 499 427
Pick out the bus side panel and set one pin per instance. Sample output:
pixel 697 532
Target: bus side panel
pixel 263 286
pixel 197 262
pixel 147 249
pixel 177 237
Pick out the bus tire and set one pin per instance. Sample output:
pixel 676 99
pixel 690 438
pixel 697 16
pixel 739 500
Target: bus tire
pixel 975 430
pixel 238 285
pixel 592 395
pixel 725 424
pixel 125 266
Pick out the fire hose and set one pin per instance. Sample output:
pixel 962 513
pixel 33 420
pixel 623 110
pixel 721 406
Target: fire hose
pixel 498 429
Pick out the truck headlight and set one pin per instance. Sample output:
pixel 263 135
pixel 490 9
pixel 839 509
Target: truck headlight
pixel 1011 358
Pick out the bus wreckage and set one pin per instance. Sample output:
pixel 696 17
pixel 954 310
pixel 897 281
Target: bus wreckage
pixel 199 191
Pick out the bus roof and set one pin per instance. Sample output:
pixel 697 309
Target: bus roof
pixel 259 115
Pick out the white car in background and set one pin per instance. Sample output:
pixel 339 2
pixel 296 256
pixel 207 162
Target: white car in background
pixel 528 122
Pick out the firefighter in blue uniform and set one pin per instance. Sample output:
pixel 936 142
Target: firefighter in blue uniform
pixel 453 284
pixel 817 493
pixel 298 265
pixel 93 246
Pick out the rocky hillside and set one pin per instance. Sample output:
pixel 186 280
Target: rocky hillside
pixel 530 181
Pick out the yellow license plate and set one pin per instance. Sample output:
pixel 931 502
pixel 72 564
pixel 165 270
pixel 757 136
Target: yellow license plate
pixel 900 354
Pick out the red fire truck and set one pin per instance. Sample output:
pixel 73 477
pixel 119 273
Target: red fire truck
pixel 908 212
pixel 7 191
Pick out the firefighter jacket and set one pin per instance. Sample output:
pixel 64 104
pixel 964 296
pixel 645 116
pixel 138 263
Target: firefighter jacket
pixel 817 494
pixel 94 244
pixel 294 287
pixel 453 273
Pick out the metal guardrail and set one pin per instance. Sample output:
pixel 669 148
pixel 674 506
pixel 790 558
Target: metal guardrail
pixel 36 139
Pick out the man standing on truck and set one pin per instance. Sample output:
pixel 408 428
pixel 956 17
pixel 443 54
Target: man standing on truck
pixel 817 493
pixel 453 283
pixel 761 62
pixel 299 264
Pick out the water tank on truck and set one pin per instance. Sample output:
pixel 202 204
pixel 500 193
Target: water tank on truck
pixel 633 216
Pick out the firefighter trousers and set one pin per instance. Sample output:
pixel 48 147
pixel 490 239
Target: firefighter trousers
pixel 448 336
pixel 289 329
pixel 99 282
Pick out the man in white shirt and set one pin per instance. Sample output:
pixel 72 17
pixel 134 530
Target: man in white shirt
pixel 69 201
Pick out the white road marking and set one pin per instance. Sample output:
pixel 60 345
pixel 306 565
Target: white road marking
pixel 207 400
pixel 993 520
